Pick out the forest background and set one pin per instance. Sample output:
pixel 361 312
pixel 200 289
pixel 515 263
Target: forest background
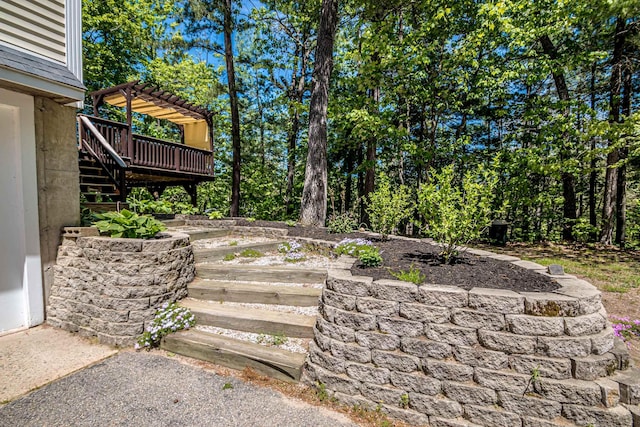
pixel 543 93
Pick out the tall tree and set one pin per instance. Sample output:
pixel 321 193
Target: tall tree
pixel 313 208
pixel 568 179
pixel 611 178
pixel 233 101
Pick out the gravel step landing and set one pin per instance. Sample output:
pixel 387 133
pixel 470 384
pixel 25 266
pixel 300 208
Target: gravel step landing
pixel 236 354
pixel 260 273
pixel 232 291
pixel 216 254
pixel 247 319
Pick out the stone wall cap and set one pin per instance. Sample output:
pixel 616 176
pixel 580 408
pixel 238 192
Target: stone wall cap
pixel 391 282
pixel 495 292
pixel 435 287
pixel 529 265
pixel 544 296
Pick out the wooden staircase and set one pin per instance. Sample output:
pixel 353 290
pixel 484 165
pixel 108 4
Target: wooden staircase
pixel 213 298
pixel 95 184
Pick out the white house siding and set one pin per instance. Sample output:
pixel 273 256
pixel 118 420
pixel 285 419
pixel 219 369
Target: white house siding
pixel 36 25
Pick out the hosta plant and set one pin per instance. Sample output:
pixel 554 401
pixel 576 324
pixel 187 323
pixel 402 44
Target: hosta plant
pixel 128 225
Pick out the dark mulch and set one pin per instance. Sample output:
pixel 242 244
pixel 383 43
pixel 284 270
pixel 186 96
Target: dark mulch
pixel 467 272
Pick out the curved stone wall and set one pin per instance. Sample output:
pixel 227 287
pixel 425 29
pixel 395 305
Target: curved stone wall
pixel 109 288
pixel 445 356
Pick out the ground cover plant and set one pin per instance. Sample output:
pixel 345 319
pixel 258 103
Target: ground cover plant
pixel 363 249
pixel 292 251
pixel 168 319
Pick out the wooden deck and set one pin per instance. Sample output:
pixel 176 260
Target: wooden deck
pixel 139 161
pixel 145 155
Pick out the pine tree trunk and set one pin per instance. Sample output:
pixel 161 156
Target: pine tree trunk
pixel 593 174
pixel 235 116
pixel 621 195
pixel 313 209
pixel 611 177
pixel 568 180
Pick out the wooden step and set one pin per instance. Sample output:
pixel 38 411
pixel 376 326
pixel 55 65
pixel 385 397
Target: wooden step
pixel 246 319
pixel 93 188
pixel 218 253
pixel 207 234
pixel 93 192
pixel 260 273
pixel 236 354
pixel 217 290
pixel 104 183
pixel 93 177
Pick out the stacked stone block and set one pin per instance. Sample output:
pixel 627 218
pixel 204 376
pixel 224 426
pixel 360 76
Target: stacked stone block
pixel 111 288
pixel 445 356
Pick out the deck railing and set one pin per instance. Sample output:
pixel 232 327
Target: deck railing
pixel 146 151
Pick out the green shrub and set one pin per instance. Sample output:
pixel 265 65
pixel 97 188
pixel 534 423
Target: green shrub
pixel 582 230
pixel 633 226
pixel 229 257
pixel 290 223
pixel 414 275
pixel 454 216
pixel 370 257
pixel 215 215
pixel 388 207
pixel 128 225
pixel 342 223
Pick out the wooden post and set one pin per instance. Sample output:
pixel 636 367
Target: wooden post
pixel 210 125
pixel 128 96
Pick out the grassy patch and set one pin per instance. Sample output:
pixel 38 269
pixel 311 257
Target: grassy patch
pixel 251 253
pixel 414 275
pixel 233 243
pixel 609 269
pixel 229 257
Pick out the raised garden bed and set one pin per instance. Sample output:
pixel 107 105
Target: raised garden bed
pixel 507 345
pixel 110 288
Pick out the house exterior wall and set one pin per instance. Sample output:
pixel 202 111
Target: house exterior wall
pixel 58 179
pixel 36 26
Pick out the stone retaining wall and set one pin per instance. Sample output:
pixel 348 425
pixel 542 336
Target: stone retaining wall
pixel 444 356
pixel 109 288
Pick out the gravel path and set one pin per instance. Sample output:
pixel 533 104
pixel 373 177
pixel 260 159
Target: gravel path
pixel 294 309
pixel 295 345
pixel 221 242
pixel 146 389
